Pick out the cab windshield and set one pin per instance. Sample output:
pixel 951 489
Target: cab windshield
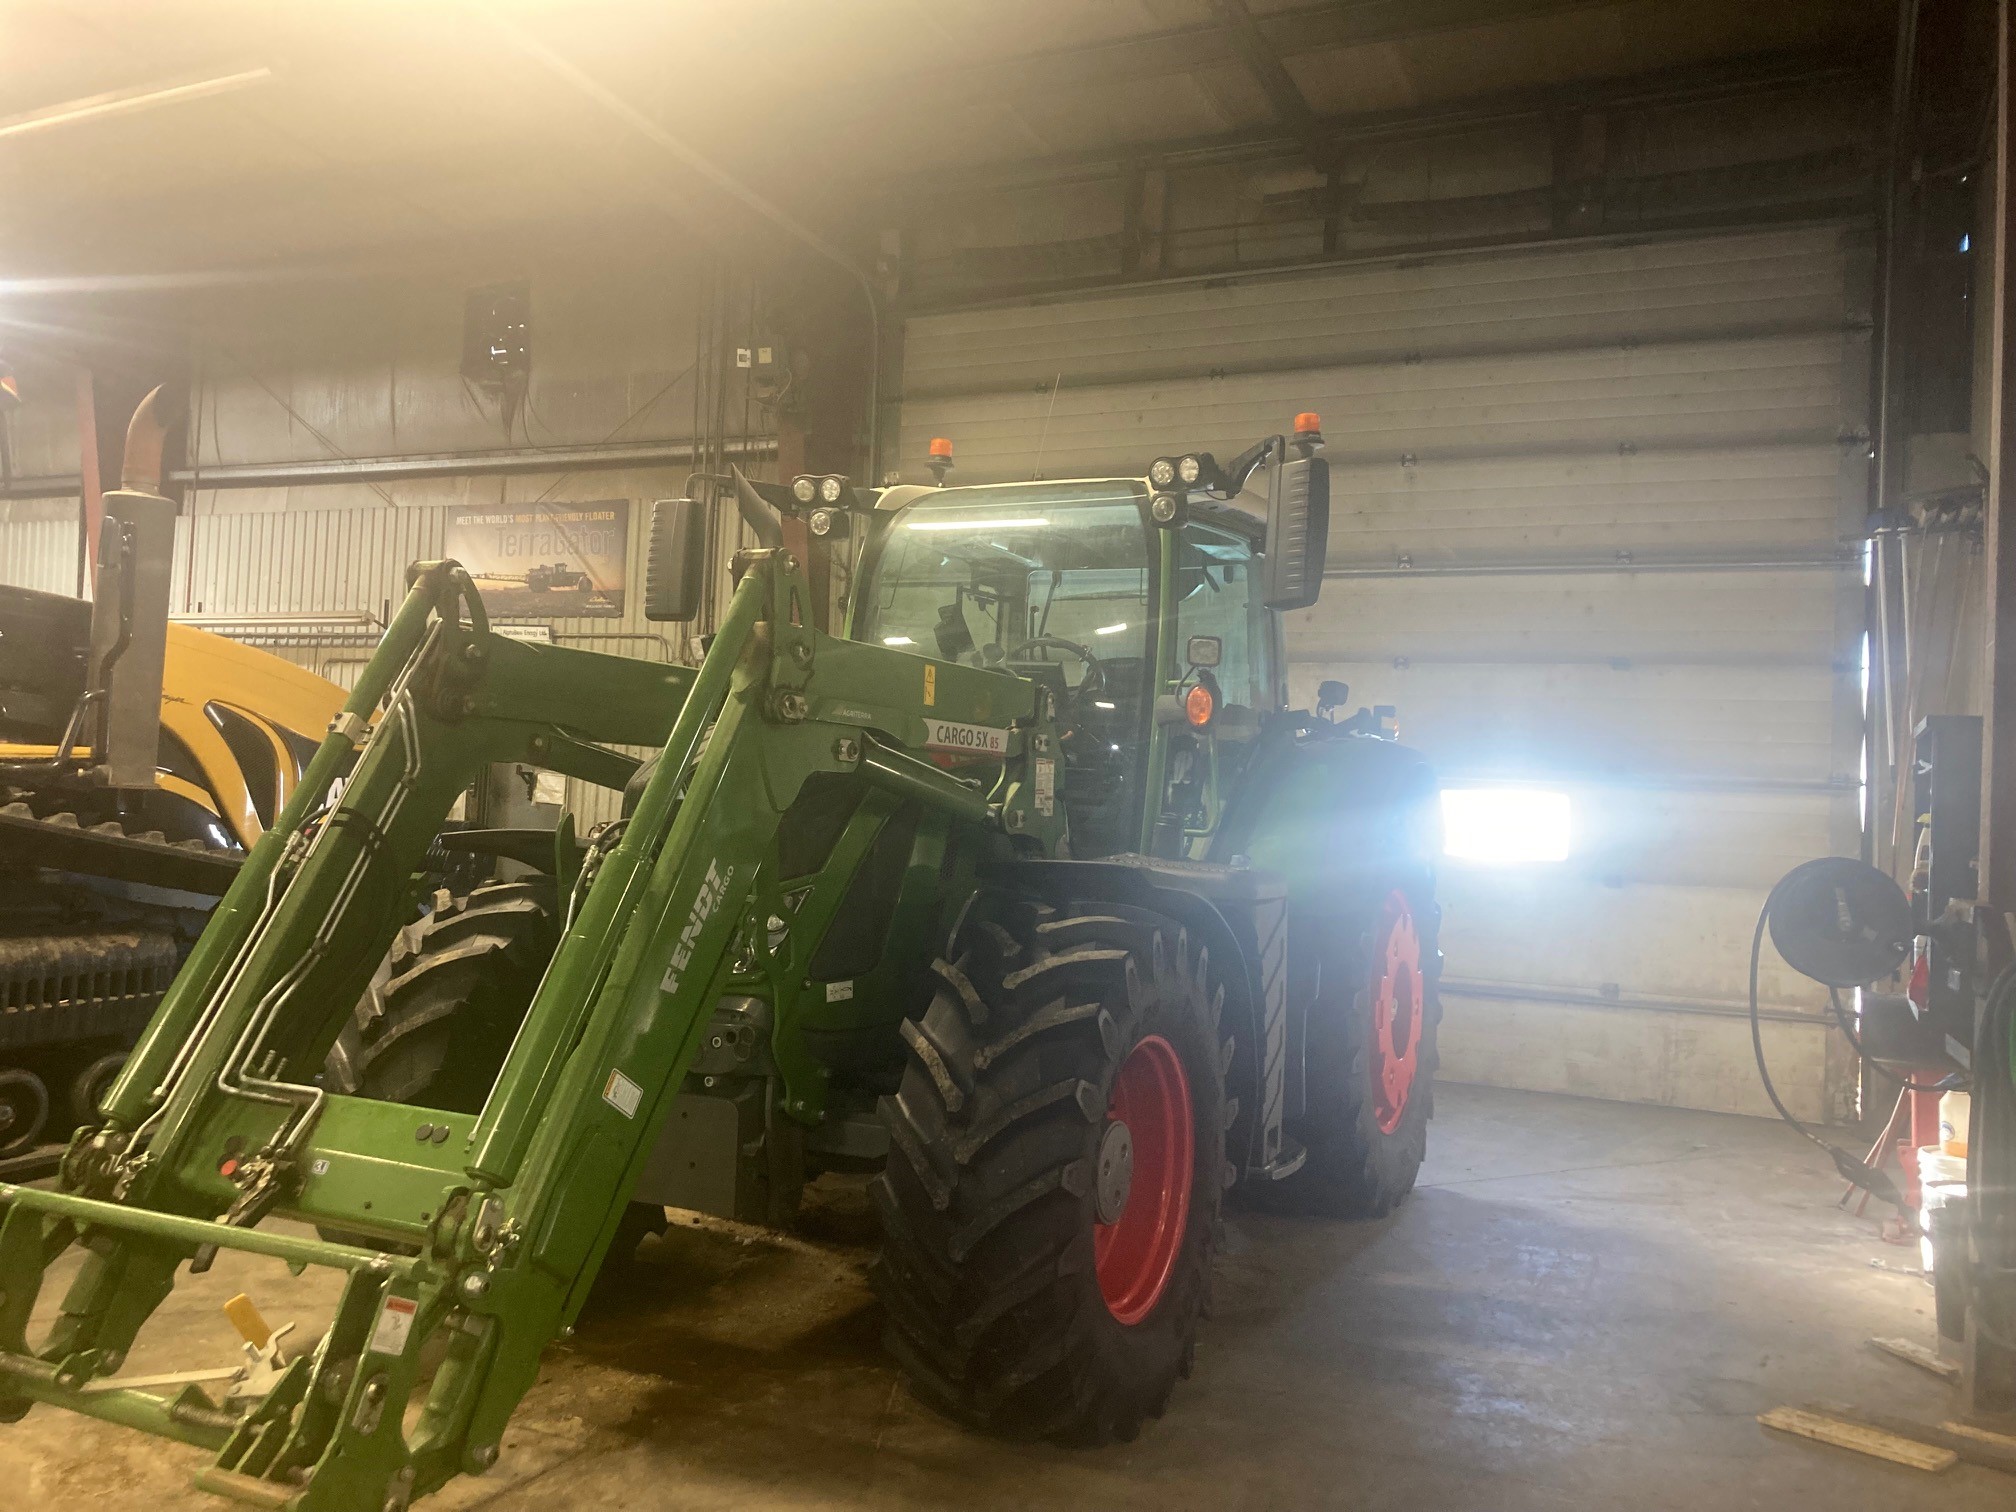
pixel 1050 581
pixel 1020 573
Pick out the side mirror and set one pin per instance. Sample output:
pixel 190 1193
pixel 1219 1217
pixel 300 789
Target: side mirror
pixel 1298 530
pixel 675 569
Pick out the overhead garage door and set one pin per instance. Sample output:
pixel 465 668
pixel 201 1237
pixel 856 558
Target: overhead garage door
pixel 1594 510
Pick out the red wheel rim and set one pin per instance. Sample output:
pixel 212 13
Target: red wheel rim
pixel 1396 1011
pixel 1147 1159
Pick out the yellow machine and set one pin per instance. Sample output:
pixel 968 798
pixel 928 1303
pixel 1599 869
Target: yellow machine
pixel 105 881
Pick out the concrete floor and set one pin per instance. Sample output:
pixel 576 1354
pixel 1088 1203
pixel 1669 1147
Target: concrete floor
pixel 1584 1307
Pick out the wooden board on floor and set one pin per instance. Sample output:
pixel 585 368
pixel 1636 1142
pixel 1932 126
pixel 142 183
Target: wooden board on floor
pixel 2001 1443
pixel 1975 1446
pixel 1913 1353
pixel 1859 1437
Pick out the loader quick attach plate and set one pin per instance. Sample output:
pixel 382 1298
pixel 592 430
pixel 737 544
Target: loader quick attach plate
pixel 477 1234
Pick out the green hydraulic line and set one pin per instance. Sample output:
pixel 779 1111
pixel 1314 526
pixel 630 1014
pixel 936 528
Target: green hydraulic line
pixel 131 1097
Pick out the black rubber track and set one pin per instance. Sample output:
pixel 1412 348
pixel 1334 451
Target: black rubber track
pixel 987 1201
pixel 1355 1169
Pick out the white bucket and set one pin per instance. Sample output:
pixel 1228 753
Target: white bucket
pixel 1942 1178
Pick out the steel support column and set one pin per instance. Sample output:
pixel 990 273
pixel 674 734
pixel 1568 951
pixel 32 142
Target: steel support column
pixel 1990 1367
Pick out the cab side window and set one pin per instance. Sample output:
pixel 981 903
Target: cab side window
pixel 1214 590
pixel 252 749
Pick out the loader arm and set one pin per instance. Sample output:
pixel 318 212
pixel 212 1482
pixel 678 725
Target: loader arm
pixel 494 1223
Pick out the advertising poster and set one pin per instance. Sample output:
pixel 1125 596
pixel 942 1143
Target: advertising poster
pixel 549 560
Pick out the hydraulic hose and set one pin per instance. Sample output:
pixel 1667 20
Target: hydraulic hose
pixel 1859 1172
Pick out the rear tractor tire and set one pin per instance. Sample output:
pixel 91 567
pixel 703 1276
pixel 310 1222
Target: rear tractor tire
pixel 1051 1199
pixel 1371 1058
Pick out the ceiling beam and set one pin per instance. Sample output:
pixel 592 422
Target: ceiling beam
pixel 1300 29
pixel 1731 78
pixel 1263 62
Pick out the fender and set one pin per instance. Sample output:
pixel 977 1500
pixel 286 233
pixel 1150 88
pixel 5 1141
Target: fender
pixel 1240 913
pixel 1331 813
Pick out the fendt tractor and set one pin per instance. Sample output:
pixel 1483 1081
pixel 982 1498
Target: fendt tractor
pixel 139 761
pixel 1028 896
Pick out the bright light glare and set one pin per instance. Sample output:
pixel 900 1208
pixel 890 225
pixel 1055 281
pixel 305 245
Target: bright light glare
pixel 981 524
pixel 897 640
pixel 1502 826
pixel 1100 703
pixel 127 101
pixel 1111 629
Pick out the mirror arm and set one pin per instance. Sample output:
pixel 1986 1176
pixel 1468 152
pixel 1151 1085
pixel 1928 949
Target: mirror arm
pixel 1243 466
pixel 756 512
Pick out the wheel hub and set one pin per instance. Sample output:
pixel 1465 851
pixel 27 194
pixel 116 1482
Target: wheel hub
pixel 1147 1161
pixel 1396 1011
pixel 1116 1171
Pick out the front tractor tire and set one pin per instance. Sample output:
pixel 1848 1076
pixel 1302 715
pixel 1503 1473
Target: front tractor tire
pixel 439 1018
pixel 1371 1056
pixel 1051 1199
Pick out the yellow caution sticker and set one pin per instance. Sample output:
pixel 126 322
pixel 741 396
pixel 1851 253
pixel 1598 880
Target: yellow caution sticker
pixel 930 684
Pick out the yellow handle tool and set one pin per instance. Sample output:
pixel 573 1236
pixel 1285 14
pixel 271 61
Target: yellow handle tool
pixel 246 1319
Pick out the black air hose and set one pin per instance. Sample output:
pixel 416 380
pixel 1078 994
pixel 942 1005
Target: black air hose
pixel 1859 1172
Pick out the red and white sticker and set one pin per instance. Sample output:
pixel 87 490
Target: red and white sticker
pixel 976 740
pixel 395 1325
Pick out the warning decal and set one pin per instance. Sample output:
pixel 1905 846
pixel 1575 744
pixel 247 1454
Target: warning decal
pixel 395 1325
pixel 622 1094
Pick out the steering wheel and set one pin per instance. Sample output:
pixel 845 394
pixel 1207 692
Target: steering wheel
pixel 1095 671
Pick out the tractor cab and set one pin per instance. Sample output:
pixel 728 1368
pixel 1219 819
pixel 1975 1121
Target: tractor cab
pixel 1147 606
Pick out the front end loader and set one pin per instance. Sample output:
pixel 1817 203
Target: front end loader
pixel 1027 895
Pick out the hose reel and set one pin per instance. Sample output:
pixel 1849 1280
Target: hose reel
pixel 1840 921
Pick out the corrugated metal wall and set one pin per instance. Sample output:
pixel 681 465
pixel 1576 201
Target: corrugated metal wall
pixel 38 545
pixel 373 370
pixel 1589 511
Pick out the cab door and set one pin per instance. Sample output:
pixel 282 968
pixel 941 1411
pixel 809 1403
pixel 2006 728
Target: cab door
pixel 1221 659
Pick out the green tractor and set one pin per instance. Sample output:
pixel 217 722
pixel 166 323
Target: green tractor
pixel 1028 895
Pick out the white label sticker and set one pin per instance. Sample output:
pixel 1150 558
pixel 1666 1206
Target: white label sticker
pixel 395 1325
pixel 622 1094
pixel 839 992
pixel 981 740
pixel 1046 786
pixel 319 1167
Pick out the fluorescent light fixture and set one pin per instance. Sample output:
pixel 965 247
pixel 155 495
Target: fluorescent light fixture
pixel 897 640
pixel 1111 629
pixel 1100 703
pixel 1505 826
pixel 128 101
pixel 1026 524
